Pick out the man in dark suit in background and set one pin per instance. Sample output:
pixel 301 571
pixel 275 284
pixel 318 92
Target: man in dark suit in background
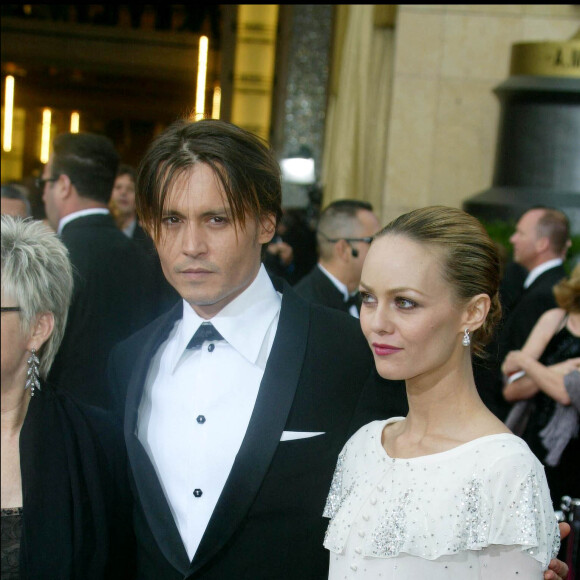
pixel 540 243
pixel 343 234
pixel 113 293
pixel 238 401
pixel 122 205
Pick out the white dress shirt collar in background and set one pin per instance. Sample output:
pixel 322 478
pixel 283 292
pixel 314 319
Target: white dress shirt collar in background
pixel 341 287
pixel 78 214
pixel 539 270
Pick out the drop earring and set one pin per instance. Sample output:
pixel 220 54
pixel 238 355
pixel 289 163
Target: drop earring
pixel 466 340
pixel 33 381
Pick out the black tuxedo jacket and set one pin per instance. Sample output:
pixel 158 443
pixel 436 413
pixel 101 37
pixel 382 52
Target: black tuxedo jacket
pixel 113 297
pixel 524 314
pixel 268 521
pixel 140 236
pixel 316 287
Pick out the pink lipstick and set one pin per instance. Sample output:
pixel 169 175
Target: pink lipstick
pixel 385 349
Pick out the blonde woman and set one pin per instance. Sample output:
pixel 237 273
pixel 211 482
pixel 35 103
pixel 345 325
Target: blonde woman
pixel 544 414
pixel 447 491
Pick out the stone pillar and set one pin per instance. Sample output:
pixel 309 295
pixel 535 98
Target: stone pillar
pixel 538 145
pixel 302 72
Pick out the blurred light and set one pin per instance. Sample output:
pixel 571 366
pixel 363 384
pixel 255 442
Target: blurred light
pixel 75 122
pixel 216 104
pixel 45 135
pixel 299 168
pixel 8 113
pixel 201 74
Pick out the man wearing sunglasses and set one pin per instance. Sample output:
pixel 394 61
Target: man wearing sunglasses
pixel 344 234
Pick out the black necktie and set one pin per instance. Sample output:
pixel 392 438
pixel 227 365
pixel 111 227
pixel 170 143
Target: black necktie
pixel 205 332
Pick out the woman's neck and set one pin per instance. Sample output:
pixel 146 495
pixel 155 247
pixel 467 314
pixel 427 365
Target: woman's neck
pixel 15 403
pixel 443 406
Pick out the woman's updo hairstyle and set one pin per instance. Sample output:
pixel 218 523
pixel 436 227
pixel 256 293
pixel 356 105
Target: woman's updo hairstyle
pixel 567 292
pixel 471 263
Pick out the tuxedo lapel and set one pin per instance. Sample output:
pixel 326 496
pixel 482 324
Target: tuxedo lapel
pixel 148 487
pixel 266 425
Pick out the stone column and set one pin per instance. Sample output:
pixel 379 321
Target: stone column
pixel 538 148
pixel 302 72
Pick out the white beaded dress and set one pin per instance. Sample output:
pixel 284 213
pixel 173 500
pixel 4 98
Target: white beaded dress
pixel 441 516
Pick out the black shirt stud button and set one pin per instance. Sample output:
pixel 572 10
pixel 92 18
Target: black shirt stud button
pixel 211 347
pixel 197 492
pixel 200 419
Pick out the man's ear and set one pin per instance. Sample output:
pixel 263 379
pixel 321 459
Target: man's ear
pixel 41 330
pixel 267 228
pixel 476 312
pixel 344 250
pixel 65 187
pixel 542 244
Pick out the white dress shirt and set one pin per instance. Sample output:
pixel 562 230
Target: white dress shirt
pixel 78 214
pixel 197 404
pixel 342 288
pixel 538 270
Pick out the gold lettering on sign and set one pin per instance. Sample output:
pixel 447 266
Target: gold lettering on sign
pixel 557 59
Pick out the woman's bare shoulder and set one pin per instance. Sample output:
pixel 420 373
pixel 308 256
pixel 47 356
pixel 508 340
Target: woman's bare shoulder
pixel 551 317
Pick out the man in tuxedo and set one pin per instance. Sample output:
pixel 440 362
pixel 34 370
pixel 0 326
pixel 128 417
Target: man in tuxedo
pixel 343 234
pixel 540 243
pixel 233 428
pixel 113 294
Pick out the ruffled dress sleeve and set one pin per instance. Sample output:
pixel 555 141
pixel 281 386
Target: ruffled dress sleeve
pixel 336 495
pixel 522 513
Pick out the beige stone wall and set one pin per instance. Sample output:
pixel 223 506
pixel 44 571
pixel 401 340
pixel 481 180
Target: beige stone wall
pixel 444 115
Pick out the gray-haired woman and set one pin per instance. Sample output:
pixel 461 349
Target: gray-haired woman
pixel 64 495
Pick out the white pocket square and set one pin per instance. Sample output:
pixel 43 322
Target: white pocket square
pixel 291 435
